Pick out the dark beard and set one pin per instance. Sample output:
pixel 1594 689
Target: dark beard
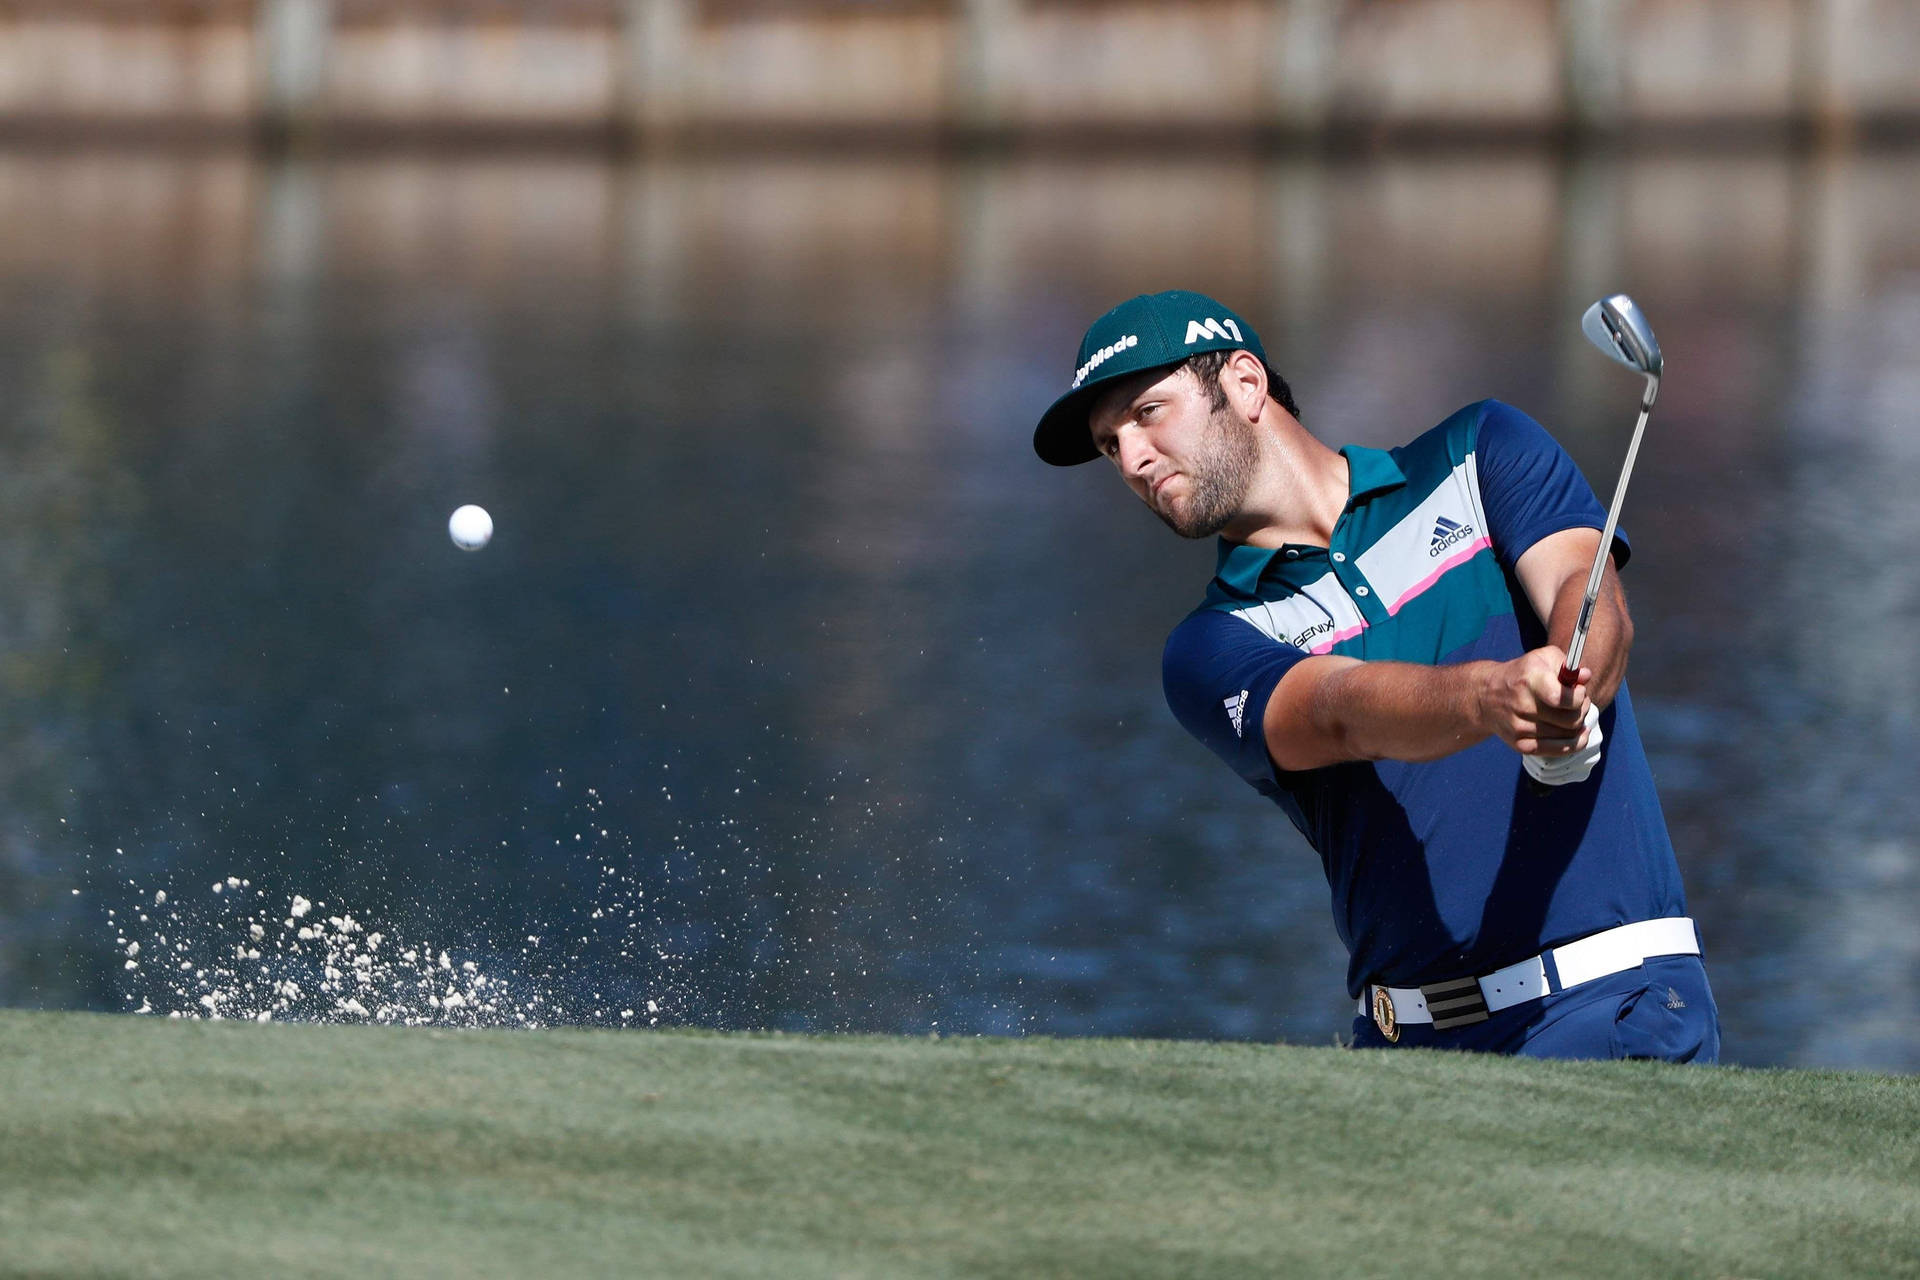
pixel 1220 476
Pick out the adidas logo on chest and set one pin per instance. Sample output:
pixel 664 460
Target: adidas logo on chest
pixel 1446 533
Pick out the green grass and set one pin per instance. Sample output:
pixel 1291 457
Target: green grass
pixel 138 1147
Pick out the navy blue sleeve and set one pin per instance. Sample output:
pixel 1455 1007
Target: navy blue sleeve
pixel 1530 488
pixel 1218 673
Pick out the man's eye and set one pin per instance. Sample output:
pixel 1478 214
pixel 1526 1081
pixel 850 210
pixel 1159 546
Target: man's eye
pixel 1148 411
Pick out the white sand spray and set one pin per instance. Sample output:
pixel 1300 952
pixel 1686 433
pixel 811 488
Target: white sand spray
pixel 237 954
pixel 634 943
pixel 237 951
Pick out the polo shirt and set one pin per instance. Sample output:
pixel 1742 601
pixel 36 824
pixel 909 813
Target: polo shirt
pixel 1458 866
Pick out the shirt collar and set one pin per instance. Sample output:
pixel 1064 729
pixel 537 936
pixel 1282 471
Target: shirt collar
pixel 1239 567
pixel 1369 471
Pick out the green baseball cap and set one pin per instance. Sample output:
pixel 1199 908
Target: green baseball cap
pixel 1146 332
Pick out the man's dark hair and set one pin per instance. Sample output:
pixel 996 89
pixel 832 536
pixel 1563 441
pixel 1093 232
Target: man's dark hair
pixel 1207 366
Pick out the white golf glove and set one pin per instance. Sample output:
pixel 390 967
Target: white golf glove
pixel 1558 771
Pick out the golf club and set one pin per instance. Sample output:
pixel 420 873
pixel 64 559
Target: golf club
pixel 1619 328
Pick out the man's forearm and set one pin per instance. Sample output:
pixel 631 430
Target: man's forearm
pixel 1401 710
pixel 1609 635
pixel 1331 709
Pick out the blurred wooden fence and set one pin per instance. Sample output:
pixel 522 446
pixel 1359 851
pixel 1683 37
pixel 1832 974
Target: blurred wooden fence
pixel 670 69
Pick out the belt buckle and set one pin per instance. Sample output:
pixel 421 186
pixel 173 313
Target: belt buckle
pixel 1384 1016
pixel 1457 1002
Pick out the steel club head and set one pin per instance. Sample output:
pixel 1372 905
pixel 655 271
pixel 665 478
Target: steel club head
pixel 1619 328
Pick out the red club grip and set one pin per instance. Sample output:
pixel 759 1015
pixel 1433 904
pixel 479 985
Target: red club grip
pixel 1569 677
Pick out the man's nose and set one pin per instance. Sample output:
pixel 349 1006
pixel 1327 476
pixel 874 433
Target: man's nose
pixel 1136 453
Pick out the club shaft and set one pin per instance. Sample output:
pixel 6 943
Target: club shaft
pixel 1578 644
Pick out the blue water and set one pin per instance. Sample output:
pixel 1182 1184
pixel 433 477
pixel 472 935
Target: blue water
pixel 789 660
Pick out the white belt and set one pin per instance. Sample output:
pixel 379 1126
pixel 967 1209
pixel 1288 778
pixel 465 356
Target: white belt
pixel 1595 956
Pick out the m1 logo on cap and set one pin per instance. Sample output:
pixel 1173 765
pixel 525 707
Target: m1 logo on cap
pixel 1200 330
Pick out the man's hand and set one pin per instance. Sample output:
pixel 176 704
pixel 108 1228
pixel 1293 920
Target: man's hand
pixel 1558 771
pixel 1523 703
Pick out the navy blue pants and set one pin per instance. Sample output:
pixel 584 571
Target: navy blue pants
pixel 1663 1010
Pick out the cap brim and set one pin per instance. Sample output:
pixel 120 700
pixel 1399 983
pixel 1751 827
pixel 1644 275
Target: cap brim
pixel 1063 437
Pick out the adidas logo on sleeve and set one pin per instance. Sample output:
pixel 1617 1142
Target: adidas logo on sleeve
pixel 1236 712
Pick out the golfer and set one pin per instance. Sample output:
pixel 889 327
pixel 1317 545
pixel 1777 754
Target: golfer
pixel 1379 654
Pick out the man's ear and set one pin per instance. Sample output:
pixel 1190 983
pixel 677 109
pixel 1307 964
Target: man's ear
pixel 1245 380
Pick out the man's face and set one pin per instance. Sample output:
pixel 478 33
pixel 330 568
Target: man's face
pixel 1189 462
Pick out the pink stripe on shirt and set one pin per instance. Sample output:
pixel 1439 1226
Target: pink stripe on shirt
pixel 1459 557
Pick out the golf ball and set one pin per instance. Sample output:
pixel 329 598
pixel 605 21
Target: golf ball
pixel 470 527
